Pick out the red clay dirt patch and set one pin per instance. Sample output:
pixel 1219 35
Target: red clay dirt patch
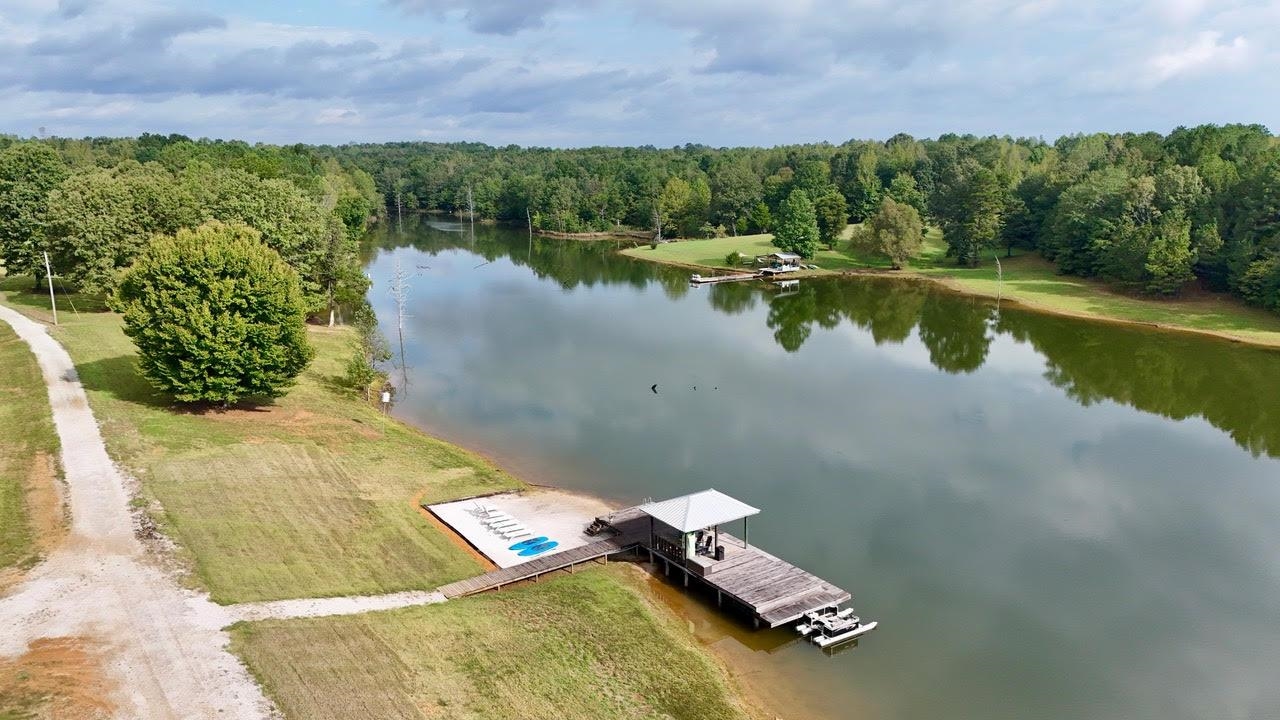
pixel 453 536
pixel 56 678
pixel 46 514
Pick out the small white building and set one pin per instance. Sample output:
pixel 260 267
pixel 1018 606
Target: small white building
pixel 780 262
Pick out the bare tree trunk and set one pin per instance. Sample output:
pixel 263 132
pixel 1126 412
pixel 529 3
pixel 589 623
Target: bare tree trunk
pixel 399 290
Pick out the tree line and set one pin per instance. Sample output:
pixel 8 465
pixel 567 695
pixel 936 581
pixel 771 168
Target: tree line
pixel 214 253
pixel 94 205
pixel 1146 211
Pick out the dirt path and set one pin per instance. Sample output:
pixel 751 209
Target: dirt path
pixel 164 646
pixel 319 607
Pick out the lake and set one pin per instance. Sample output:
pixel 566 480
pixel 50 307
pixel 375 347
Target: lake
pixel 1050 518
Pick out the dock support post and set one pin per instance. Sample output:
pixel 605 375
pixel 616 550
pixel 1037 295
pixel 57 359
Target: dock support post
pixel 756 623
pixel 650 556
pixel 666 564
pixel 686 578
pixel 719 599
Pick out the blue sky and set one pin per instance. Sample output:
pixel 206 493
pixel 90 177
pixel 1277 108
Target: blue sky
pixel 661 72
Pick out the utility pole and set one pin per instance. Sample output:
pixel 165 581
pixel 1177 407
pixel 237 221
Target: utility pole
pixel 48 275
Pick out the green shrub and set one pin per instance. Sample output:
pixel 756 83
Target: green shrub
pixel 216 314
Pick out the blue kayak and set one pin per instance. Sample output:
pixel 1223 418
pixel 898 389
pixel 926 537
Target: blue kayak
pixel 528 543
pixel 538 549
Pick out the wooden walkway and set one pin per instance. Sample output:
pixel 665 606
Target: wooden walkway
pixel 773 590
pixel 495 579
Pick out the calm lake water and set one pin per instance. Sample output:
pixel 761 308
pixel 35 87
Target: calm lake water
pixel 1050 518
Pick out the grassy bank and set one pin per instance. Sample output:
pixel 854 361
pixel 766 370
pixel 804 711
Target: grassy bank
pixel 584 646
pixel 310 496
pixel 315 495
pixel 30 512
pixel 1027 280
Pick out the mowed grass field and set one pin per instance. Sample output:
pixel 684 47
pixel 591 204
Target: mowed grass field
pixel 712 253
pixel 1033 281
pixel 313 495
pixel 29 508
pixel 1027 279
pixel 579 647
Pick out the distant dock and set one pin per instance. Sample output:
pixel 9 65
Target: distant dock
pixel 697 279
pixel 683 535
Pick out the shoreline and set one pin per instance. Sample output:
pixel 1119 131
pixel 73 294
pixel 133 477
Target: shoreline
pixel 736 659
pixel 960 287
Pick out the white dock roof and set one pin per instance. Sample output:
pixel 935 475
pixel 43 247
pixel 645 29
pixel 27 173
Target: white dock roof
pixel 699 510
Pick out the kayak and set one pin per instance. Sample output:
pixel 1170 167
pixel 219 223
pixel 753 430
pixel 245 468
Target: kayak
pixel 538 549
pixel 528 543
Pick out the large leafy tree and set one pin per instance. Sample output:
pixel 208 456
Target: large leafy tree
pixel 895 230
pixel 833 216
pixel 99 220
pixel 797 225
pixel 29 172
pixel 291 223
pixel 216 314
pixel 972 213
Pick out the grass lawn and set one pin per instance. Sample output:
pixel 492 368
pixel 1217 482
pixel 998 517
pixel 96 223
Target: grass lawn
pixel 584 646
pixel 1033 281
pixel 311 496
pixel 711 253
pixel 1028 279
pixel 29 507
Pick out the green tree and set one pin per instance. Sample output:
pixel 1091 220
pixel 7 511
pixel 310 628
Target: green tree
pixel 1170 257
pixel 972 214
pixel 101 219
pixel 863 189
pixel 904 190
pixel 797 229
pixel 29 172
pixel 673 203
pixel 895 230
pixel 833 217
pixel 369 351
pixel 338 270
pixel 216 314
pixel 735 190
pixel 761 218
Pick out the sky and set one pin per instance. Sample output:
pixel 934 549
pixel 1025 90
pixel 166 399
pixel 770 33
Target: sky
pixel 657 72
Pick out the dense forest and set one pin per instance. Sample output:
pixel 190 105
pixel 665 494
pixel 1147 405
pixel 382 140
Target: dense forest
pixel 1145 211
pixel 95 204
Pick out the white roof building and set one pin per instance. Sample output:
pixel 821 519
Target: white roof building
pixel 698 511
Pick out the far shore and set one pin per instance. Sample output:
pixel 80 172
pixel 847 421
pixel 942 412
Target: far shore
pixel 1028 282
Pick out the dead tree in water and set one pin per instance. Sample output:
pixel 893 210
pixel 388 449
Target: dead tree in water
pixel 399 291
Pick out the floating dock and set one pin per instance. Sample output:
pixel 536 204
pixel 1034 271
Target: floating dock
pixel 696 279
pixel 671 534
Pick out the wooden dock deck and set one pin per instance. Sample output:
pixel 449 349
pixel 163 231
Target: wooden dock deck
pixel 713 279
pixel 773 590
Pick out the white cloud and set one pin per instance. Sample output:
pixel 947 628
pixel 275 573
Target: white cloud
pixel 605 72
pixel 1207 52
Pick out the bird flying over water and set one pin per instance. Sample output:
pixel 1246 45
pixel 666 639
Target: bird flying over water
pixel 654 388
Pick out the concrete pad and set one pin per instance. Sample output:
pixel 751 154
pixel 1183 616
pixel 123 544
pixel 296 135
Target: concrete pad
pixel 558 515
